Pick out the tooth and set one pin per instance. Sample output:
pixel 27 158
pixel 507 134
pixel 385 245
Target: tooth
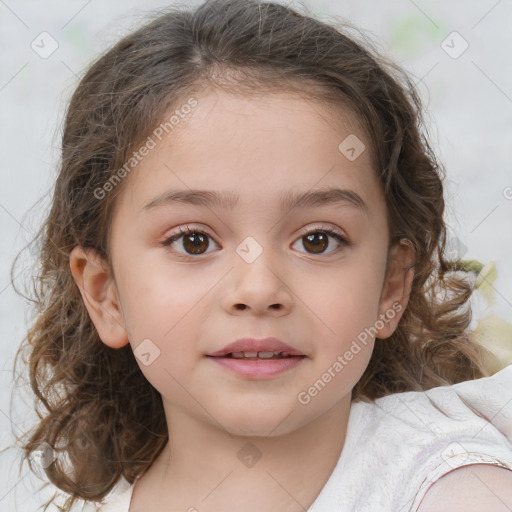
pixel 261 355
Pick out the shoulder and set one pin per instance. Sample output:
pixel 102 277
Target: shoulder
pixel 447 443
pixel 476 410
pixel 475 488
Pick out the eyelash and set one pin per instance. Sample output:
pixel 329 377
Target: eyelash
pixel 341 239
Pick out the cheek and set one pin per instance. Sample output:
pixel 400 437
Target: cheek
pixel 157 297
pixel 343 301
pixel 169 309
pixel 345 308
pixel 169 317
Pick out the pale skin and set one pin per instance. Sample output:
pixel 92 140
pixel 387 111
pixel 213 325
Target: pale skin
pixel 189 306
pixel 476 488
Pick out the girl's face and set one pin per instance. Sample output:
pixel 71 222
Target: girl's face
pixel 251 270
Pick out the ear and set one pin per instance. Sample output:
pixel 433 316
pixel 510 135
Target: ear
pixel 397 287
pixel 99 293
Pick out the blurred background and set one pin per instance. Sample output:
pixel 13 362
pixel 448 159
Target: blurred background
pixel 457 52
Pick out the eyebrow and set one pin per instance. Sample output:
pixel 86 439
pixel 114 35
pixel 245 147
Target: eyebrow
pixel 289 200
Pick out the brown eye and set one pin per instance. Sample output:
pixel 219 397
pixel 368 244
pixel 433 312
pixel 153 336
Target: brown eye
pixel 317 241
pixel 194 242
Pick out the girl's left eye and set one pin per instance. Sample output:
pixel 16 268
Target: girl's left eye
pixel 195 242
pixel 317 238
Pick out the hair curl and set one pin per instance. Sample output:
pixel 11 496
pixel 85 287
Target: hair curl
pixel 100 409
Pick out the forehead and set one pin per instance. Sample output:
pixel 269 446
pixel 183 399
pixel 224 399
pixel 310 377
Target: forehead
pixel 259 146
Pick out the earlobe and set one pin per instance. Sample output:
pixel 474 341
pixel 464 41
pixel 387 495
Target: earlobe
pixel 99 293
pixel 397 287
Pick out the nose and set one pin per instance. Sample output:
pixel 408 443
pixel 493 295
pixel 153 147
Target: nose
pixel 258 287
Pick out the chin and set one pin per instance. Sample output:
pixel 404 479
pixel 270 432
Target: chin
pixel 261 429
pixel 254 422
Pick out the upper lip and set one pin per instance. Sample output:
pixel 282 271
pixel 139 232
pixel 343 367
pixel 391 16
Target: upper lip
pixel 257 345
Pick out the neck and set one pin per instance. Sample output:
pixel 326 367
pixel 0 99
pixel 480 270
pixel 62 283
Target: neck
pixel 206 467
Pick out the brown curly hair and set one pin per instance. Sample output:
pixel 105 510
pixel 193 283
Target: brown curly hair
pixel 100 411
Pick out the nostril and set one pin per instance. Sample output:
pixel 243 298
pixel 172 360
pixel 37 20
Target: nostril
pixel 243 306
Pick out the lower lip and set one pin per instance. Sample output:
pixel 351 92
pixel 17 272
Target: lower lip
pixel 261 368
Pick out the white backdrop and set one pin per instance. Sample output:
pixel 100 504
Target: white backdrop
pixel 468 92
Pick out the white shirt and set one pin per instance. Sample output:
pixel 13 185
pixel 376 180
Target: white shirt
pixel 396 448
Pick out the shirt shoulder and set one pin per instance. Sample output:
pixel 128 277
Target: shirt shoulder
pixel 399 445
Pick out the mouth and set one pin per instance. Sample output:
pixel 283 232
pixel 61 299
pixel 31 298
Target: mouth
pixel 258 359
pixel 265 348
pixel 259 356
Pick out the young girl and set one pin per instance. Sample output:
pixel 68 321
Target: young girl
pixel 244 297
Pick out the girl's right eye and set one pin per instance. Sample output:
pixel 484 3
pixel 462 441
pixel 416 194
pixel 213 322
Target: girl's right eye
pixel 193 241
